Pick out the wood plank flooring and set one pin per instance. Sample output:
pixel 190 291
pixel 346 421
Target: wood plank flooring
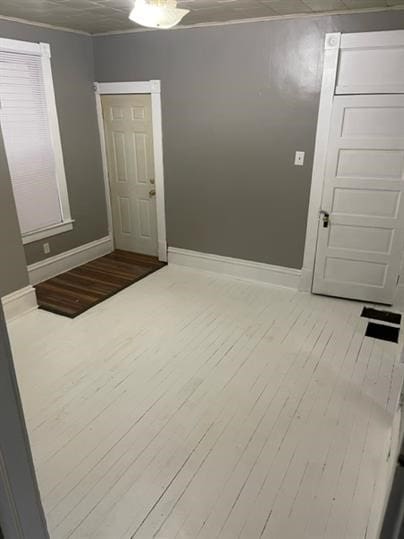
pixel 192 405
pixel 79 289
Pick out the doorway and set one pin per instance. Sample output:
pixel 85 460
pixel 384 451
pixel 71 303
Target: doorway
pixel 354 239
pixel 129 117
pixel 129 143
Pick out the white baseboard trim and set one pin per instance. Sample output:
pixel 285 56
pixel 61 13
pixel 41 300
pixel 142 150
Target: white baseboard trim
pixel 306 280
pixel 50 267
pixel 242 269
pixel 20 302
pixel 162 247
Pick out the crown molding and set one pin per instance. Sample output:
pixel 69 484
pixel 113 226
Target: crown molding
pixel 204 24
pixel 44 25
pixel 255 20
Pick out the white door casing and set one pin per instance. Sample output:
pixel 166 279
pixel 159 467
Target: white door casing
pixel 129 142
pixel 152 87
pixel 359 252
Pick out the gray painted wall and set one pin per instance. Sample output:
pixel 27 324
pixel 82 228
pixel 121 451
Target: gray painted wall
pixel 21 512
pixel 237 102
pixel 73 74
pixel 13 270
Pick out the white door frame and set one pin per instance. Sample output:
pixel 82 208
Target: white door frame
pixel 152 87
pixel 331 55
pixel 334 43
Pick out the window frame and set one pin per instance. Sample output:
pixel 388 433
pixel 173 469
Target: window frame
pixel 43 50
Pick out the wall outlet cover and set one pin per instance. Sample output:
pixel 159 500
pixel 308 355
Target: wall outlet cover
pixel 299 159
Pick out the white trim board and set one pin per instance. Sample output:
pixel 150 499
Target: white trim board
pixel 50 267
pixel 152 87
pixel 52 230
pixel 331 54
pixel 236 267
pixel 129 87
pixel 20 302
pixel 101 130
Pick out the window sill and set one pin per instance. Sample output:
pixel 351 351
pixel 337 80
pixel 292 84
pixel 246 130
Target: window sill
pixel 42 233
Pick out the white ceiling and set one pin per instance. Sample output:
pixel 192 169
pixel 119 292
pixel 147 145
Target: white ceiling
pixel 97 16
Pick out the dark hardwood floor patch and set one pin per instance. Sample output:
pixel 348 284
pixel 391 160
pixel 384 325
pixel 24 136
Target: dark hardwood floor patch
pixel 74 292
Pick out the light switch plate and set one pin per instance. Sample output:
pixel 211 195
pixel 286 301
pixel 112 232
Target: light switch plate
pixel 299 159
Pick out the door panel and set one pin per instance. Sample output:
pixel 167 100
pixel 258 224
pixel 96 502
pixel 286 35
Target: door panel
pixel 145 229
pixel 359 249
pixel 129 142
pixel 119 156
pixel 370 70
pixel 124 215
pixel 368 122
pixel 370 164
pixel 371 63
pixel 143 174
pixel 360 238
pixel 355 271
pixel 365 202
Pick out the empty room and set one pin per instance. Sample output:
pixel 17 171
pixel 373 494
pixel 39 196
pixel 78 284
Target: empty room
pixel 201 247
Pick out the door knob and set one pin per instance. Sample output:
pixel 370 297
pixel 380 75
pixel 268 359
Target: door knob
pixel 152 192
pixel 326 218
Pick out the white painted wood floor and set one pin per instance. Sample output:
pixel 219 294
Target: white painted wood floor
pixel 193 405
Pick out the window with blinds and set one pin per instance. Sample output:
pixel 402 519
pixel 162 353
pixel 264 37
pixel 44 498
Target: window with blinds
pixel 31 137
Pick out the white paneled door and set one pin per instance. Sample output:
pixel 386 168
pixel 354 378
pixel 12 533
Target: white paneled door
pixel 360 227
pixel 129 142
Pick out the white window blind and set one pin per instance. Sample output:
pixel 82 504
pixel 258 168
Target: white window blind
pixel 25 124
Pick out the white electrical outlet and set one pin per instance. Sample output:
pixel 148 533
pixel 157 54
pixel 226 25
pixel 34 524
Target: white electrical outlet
pixel 46 248
pixel 299 159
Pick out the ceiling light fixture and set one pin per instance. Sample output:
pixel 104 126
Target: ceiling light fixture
pixel 157 13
